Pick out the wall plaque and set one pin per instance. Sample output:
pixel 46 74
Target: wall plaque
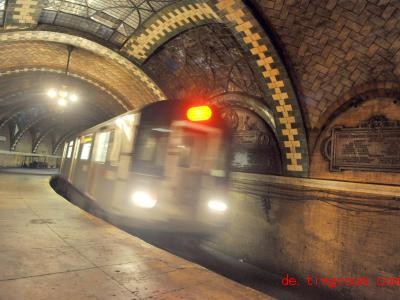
pixel 373 146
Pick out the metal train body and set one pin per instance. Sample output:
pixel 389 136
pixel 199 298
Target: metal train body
pixel 153 168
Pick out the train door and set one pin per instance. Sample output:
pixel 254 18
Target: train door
pixel 74 157
pixel 191 158
pixel 102 174
pixel 80 171
pixel 67 159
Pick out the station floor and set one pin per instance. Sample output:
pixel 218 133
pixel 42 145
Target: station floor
pixel 51 249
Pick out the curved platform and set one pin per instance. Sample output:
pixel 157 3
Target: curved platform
pixel 51 249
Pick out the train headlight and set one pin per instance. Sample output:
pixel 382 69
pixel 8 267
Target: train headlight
pixel 143 199
pixel 217 205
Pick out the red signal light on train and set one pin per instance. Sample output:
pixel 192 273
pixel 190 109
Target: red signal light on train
pixel 199 113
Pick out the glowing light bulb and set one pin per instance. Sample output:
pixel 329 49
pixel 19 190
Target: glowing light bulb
pixel 63 94
pixel 62 102
pixel 73 98
pixel 217 205
pixel 52 93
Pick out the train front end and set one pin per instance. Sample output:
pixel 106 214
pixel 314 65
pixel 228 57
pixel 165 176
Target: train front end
pixel 180 168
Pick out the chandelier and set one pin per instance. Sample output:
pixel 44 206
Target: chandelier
pixel 63 94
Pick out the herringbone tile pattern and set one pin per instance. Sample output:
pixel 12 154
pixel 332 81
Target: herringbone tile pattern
pixel 334 46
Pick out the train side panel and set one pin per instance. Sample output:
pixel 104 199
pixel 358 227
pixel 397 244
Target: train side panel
pixel 97 162
pixel 81 162
pixel 109 170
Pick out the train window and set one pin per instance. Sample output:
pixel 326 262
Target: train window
pixel 86 151
pixel 70 148
pixel 193 149
pixel 126 132
pixel 115 145
pixel 151 150
pixel 101 146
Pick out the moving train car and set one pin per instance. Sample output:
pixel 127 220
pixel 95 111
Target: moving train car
pixel 163 167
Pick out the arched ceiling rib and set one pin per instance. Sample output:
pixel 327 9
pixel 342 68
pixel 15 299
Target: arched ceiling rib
pixel 2 9
pixel 23 99
pixel 25 86
pixel 111 20
pixel 85 64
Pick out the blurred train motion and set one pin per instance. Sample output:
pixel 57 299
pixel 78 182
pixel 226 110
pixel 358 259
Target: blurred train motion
pixel 163 167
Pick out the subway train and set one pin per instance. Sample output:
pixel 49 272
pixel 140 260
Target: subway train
pixel 163 167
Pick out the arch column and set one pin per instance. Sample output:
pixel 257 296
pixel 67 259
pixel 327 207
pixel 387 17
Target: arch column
pixel 275 82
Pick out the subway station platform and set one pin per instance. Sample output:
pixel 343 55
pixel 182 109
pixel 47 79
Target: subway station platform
pixel 51 249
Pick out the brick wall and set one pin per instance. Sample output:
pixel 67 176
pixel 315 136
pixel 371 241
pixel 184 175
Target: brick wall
pixel 304 237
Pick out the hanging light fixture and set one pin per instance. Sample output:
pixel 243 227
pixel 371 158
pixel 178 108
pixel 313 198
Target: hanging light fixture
pixel 63 95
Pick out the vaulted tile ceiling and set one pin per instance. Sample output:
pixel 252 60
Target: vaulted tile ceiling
pixel 300 60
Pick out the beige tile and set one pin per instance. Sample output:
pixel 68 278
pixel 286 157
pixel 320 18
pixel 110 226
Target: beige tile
pixel 78 285
pixel 115 252
pixel 18 263
pixel 131 272
pixel 161 283
pixel 19 237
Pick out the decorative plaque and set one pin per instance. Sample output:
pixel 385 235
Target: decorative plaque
pixel 373 146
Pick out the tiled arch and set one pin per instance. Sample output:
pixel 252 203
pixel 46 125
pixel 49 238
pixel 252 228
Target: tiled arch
pixel 81 77
pixel 166 24
pixel 148 84
pixel 271 72
pixel 277 87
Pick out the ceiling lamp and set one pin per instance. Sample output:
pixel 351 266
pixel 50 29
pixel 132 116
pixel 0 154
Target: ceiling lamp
pixel 63 94
pixel 73 97
pixel 52 93
pixel 62 102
